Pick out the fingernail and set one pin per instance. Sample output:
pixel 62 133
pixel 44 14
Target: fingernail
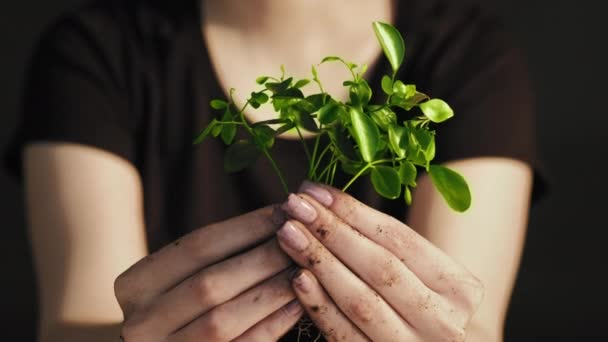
pixel 303 282
pixel 317 192
pixel 300 209
pixel 293 237
pixel 293 308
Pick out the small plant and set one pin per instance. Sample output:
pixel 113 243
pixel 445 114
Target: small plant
pixel 388 141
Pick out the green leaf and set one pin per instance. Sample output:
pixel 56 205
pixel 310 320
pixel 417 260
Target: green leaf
pixel 360 93
pixel 217 130
pixel 407 173
pixel 330 59
pixel 218 104
pixel 344 147
pixel 387 85
pixel 398 139
pixel 366 134
pixel 301 83
pixel 399 89
pixel 228 130
pixel 409 102
pixel 240 156
pixel 257 99
pixel 318 100
pixel 352 167
pixel 305 106
pixel 407 195
pixel 289 93
pixel 205 132
pixel 392 43
pixel 425 139
pixel 281 103
pixel 404 91
pixel 386 181
pixel 384 118
pixel 315 74
pixel 328 113
pixel 286 127
pixel 363 70
pixel 436 110
pixel 277 87
pixel 261 79
pixel 452 186
pixel 260 97
pixel 264 136
pixel 303 118
pixel 410 91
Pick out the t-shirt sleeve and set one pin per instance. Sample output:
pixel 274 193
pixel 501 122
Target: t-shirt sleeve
pixel 466 57
pixel 74 91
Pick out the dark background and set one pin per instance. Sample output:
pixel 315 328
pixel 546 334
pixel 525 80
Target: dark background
pixel 561 290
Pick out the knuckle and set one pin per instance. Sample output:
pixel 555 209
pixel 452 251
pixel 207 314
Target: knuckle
pixel 466 290
pixel 193 245
pixel 386 275
pixel 120 287
pixel 472 292
pixel 324 226
pixel 133 330
pixel 455 333
pixel 124 292
pixel 205 290
pixel 425 301
pixel 449 329
pixel 361 310
pixel 214 327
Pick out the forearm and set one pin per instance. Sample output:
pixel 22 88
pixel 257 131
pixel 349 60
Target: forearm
pixel 71 332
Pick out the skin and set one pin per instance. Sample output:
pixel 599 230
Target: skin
pixel 237 285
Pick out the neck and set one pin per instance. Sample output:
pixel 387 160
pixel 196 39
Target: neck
pixel 281 19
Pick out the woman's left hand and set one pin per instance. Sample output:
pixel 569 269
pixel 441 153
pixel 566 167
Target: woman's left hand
pixel 366 275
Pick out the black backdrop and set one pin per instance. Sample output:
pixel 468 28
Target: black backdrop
pixel 561 290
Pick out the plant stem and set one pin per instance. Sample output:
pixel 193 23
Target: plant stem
pixel 306 151
pixel 333 173
pixel 277 171
pixel 270 122
pixel 231 123
pixel 318 163
pixel 311 169
pixel 363 169
pixel 264 149
pixel 352 180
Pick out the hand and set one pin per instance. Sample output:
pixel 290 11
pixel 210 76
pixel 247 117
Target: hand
pixel 369 276
pixel 204 287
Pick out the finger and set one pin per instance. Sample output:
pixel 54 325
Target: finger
pixel 210 287
pixel 158 272
pixel 231 319
pixel 436 269
pixel 428 313
pixel 323 311
pixel 274 326
pixel 356 299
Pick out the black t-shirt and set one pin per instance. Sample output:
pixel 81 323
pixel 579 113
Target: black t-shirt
pixel 133 77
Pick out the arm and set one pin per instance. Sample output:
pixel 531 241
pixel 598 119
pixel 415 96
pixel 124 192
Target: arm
pixel 86 226
pixel 85 213
pixel 487 239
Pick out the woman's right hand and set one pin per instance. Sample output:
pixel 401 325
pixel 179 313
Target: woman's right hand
pixel 212 285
